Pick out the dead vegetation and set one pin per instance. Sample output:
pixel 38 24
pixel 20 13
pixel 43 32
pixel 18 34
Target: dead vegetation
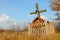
pixel 14 35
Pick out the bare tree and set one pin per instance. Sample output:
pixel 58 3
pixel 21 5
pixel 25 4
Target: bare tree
pixel 14 27
pixel 58 16
pixel 57 24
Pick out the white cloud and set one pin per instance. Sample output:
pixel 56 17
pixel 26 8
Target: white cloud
pixel 4 17
pixel 44 17
pixel 6 21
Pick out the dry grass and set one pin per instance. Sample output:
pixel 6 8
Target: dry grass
pixel 8 35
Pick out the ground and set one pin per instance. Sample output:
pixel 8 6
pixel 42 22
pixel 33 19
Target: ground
pixel 8 35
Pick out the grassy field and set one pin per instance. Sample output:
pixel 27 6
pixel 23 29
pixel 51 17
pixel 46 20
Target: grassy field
pixel 10 35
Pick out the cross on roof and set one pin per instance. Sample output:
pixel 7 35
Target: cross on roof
pixel 38 11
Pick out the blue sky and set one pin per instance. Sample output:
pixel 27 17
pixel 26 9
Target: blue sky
pixel 20 9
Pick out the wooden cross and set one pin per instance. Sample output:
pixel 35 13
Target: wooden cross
pixel 38 11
